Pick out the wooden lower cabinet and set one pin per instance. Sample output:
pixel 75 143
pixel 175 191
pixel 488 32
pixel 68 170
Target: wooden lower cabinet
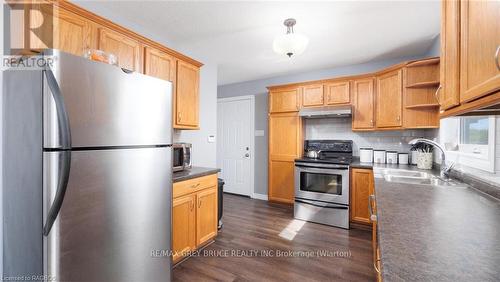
pixel 194 214
pixel 362 187
pixel 206 215
pixel 281 181
pixel 183 226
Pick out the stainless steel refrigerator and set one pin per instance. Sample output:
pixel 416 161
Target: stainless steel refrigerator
pixel 87 173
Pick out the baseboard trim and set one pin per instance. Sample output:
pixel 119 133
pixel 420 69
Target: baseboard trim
pixel 259 196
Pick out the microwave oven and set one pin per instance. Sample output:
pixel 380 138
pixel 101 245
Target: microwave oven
pixel 182 156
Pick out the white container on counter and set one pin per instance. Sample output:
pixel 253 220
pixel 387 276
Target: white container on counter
pixel 414 157
pixel 403 158
pixel 424 160
pixel 391 157
pixel 366 155
pixel 379 156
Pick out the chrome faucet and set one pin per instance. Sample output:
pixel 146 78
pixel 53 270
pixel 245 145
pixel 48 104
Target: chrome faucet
pixel 445 170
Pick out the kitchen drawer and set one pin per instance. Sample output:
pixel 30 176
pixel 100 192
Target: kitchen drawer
pixel 194 185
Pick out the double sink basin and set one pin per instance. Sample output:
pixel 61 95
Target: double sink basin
pixel 416 177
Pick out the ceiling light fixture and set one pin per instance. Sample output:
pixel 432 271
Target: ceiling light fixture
pixel 290 43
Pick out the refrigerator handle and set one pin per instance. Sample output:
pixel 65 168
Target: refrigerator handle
pixel 62 184
pixel 62 115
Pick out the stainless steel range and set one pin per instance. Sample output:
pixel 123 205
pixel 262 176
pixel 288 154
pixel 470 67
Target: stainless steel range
pixel 322 183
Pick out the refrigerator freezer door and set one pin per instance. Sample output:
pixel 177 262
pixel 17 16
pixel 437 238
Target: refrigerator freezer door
pixel 106 106
pixel 114 223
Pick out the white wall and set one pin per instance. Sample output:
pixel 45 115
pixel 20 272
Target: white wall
pixel 204 153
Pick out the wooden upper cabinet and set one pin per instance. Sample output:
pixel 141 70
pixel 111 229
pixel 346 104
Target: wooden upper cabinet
pixel 479 53
pixel 183 225
pixel 159 64
pixel 206 215
pixel 363 104
pixel 72 33
pixel 127 50
pixel 361 188
pixel 187 100
pixel 389 99
pixel 337 93
pixel 284 100
pixel 312 95
pixel 449 93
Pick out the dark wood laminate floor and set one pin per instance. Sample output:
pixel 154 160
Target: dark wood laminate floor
pixel 259 225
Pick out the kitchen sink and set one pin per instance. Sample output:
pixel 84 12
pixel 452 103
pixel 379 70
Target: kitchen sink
pixel 416 177
pixel 406 173
pixel 432 180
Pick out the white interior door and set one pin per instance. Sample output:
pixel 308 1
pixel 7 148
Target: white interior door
pixel 235 149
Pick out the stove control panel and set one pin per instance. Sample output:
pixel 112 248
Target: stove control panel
pixel 340 146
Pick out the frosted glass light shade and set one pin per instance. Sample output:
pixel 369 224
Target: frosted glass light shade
pixel 290 44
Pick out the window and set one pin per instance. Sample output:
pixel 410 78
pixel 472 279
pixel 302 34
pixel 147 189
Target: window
pixel 470 141
pixel 474 130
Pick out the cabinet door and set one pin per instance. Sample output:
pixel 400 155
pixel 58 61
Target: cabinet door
pixel 361 189
pixel 479 53
pixel 187 96
pixel 389 99
pixel 59 29
pixel 159 64
pixel 72 32
pixel 312 96
pixel 449 93
pixel 281 181
pixel 183 226
pixel 285 135
pixel 363 104
pixel 206 215
pixel 287 100
pixel 126 49
pixel 337 93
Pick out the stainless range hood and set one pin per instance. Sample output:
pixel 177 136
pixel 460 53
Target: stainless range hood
pixel 326 112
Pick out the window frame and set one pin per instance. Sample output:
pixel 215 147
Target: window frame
pixel 463 155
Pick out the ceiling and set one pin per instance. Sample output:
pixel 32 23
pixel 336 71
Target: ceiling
pixel 238 35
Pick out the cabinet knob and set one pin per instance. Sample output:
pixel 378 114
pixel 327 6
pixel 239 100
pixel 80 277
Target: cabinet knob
pixel 398 118
pixel 496 58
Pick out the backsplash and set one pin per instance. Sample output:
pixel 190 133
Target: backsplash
pixel 340 128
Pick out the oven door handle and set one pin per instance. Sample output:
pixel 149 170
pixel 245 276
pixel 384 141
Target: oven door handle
pixel 321 167
pixel 338 207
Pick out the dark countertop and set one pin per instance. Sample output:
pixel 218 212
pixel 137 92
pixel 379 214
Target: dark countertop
pixel 430 233
pixel 193 172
